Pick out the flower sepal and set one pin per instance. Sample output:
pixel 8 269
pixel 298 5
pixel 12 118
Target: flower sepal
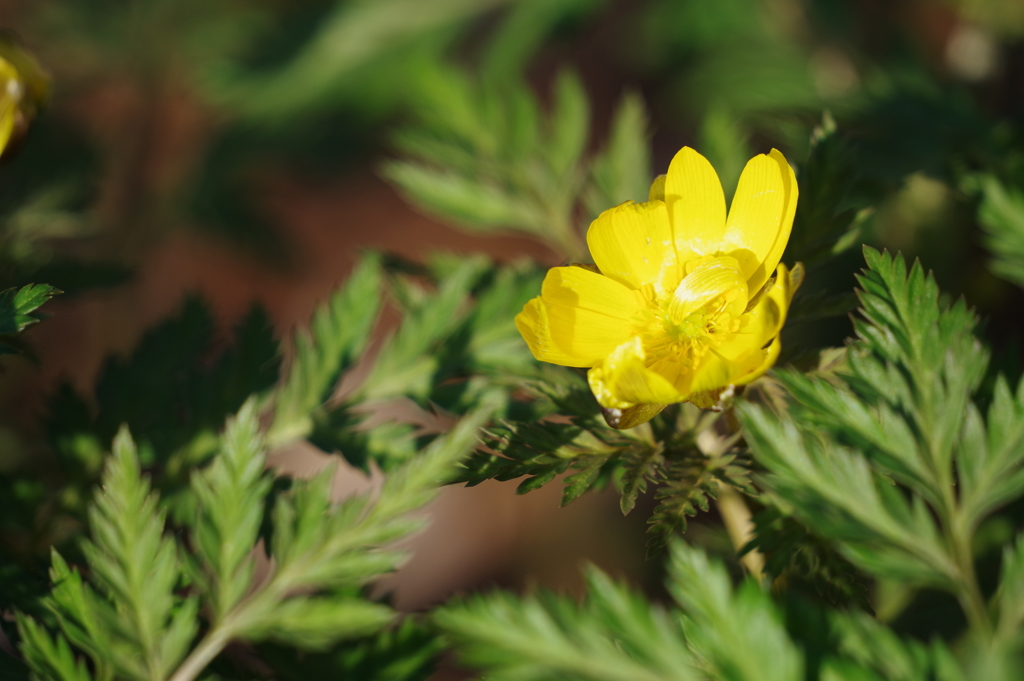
pixel 631 417
pixel 719 399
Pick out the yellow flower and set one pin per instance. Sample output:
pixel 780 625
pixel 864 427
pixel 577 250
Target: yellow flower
pixel 682 304
pixel 24 87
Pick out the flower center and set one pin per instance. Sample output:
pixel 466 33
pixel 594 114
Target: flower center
pixel 690 328
pixel 684 323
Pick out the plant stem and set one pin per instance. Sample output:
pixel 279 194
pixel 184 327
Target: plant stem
pixel 971 599
pixel 958 536
pixel 203 655
pixel 740 524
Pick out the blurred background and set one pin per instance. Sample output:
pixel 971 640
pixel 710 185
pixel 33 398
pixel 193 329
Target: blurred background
pixel 237 153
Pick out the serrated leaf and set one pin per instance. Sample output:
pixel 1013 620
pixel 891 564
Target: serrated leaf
pixel 338 335
pixel 797 560
pixel 483 157
pixel 613 636
pixel 315 623
pixel 643 466
pixel 137 568
pixel 835 492
pixel 689 479
pixel 17 306
pixel 725 141
pixel 581 481
pixel 470 202
pixel 81 614
pixel 402 653
pixel 407 362
pixel 49 656
pixel 875 651
pixel 190 385
pixel 991 460
pixel 622 169
pixel 570 124
pixel 1010 596
pixel 738 635
pixel 1001 214
pixel 231 495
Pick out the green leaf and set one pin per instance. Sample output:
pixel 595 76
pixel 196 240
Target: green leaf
pixel 190 390
pixel 991 464
pixel 907 400
pixel 871 459
pixel 866 644
pixel 315 623
pixel 350 38
pixel 481 156
pixel 641 466
pixel 835 492
pixel 540 449
pixel 17 306
pixel 584 479
pixel 137 625
pixel 134 623
pixel 50 658
pixel 569 124
pixel 1001 214
pixel 495 344
pixel 725 142
pixel 320 547
pixel 805 563
pixel 338 335
pixel 137 568
pixel 407 362
pixel 622 169
pixel 402 653
pixel 739 636
pixel 230 495
pixel 615 635
pixel 81 613
pixel 690 478
pixel 525 448
pixel 1010 596
pixel 473 203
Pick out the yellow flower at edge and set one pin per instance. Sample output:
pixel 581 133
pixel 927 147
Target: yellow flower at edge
pixel 682 304
pixel 24 88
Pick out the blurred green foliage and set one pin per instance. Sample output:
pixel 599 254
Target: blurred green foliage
pixel 883 464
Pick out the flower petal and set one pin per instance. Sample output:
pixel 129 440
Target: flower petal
pixel 632 243
pixel 580 318
pixel 533 325
pixel 579 287
pixel 761 216
pixel 771 355
pixel 696 203
pixel 709 280
pixel 755 348
pixel 774 256
pixel 771 311
pixel 657 192
pixel 744 371
pixel 718 371
pixel 622 381
pixel 764 321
